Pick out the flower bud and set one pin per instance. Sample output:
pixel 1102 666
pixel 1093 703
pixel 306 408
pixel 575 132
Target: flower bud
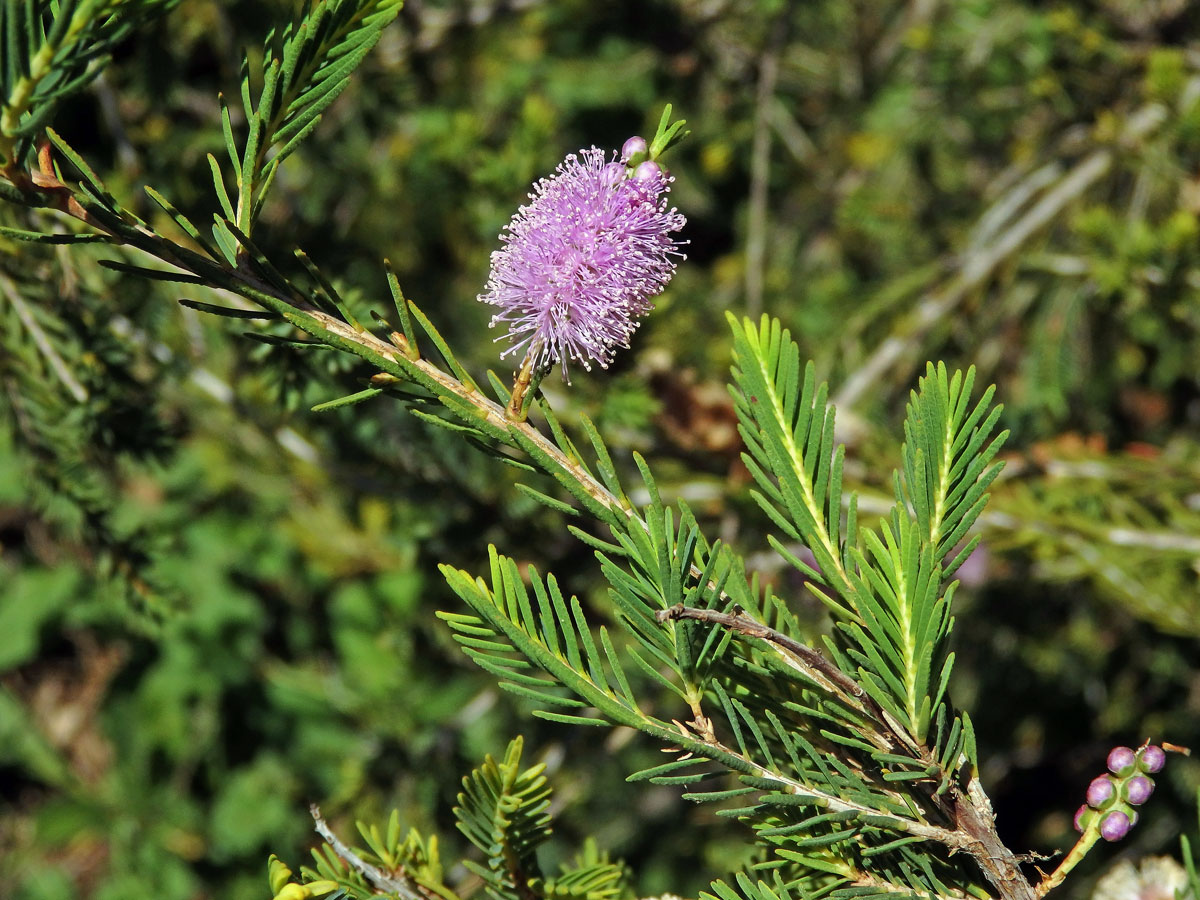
pixel 1115 825
pixel 1138 789
pixel 1101 792
pixel 649 173
pixel 1121 761
pixel 1151 758
pixel 1083 817
pixel 633 147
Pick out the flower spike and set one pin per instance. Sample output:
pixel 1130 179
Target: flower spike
pixel 582 261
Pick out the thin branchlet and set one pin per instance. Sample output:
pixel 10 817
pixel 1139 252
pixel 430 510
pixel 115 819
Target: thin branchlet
pixel 399 885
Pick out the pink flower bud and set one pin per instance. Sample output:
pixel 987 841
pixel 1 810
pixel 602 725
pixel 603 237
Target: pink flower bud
pixel 1151 759
pixel 1083 817
pixel 633 147
pixel 1121 760
pixel 1138 789
pixel 1101 792
pixel 1115 826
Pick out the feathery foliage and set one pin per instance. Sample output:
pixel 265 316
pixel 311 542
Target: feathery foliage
pixel 503 811
pixel 51 50
pixel 304 69
pixel 887 786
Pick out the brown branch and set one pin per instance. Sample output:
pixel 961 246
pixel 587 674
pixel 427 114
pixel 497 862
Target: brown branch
pixel 998 863
pixel 816 666
pixel 809 662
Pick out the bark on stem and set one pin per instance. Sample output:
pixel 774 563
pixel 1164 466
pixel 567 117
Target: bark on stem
pixel 516 404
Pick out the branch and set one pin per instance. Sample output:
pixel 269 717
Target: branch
pixel 799 656
pixel 397 884
pixel 303 314
pixel 308 318
pixel 811 664
pixel 956 841
pixel 975 832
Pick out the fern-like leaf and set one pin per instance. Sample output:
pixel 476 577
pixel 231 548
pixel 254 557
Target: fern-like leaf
pixel 788 429
pixel 502 810
pixel 590 876
pixel 947 459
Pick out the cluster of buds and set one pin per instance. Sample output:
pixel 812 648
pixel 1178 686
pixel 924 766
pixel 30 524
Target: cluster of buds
pixel 1111 798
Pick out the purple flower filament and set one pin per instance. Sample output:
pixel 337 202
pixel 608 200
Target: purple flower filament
pixel 582 260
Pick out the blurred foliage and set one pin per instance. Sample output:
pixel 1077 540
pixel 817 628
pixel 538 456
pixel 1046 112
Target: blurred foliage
pixel 217 605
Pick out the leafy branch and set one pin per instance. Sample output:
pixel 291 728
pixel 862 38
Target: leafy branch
pixel 51 50
pixel 857 775
pixel 502 810
pixel 303 71
pixel 889 597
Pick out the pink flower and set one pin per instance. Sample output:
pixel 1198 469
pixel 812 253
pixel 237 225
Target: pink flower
pixel 581 262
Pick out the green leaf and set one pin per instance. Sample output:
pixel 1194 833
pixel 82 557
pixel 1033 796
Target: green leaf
pixel 219 187
pixel 401 304
pixel 152 274
pixel 555 638
pixel 327 291
pixel 546 500
pixel 443 348
pixel 182 221
pixel 350 400
pixel 39 237
pixel 947 457
pixel 228 312
pixel 788 428
pixel 503 810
